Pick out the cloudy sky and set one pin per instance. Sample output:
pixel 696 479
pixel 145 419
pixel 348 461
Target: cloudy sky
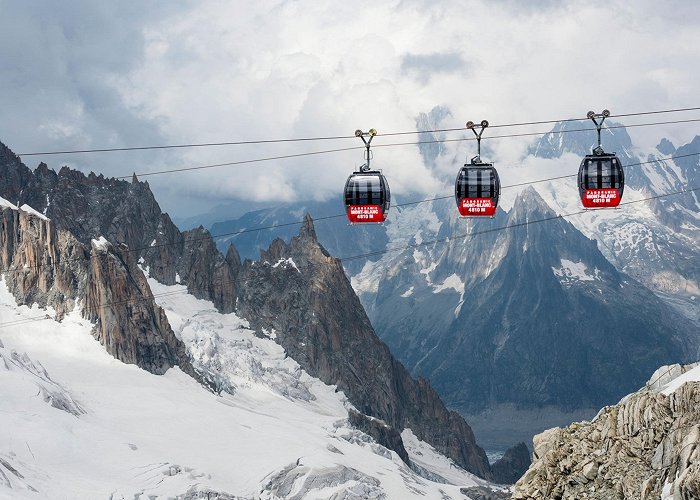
pixel 77 75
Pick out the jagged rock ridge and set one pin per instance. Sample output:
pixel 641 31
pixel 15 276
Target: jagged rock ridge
pixel 646 445
pixel 318 319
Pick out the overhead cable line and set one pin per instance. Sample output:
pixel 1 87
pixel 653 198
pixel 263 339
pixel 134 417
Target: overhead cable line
pixel 411 143
pixel 529 134
pixel 446 239
pixel 327 138
pixel 326 217
pixel 545 122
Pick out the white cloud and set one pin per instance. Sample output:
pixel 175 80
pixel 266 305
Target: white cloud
pixel 215 71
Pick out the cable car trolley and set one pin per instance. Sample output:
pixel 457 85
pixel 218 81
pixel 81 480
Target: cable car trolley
pixel 601 178
pixel 367 196
pixel 477 187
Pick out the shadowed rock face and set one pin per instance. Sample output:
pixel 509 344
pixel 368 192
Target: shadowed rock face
pixel 301 293
pixel 129 323
pixel 512 465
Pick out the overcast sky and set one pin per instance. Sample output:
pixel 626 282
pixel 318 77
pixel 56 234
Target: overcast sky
pixel 90 74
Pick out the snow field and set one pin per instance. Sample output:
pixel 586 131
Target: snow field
pixel 145 436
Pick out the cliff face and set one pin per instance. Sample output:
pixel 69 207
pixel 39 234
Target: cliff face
pixel 40 264
pixel 647 444
pixel 52 268
pixel 300 294
pixel 130 325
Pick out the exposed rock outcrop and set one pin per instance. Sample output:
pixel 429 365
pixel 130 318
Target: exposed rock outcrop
pixel 384 434
pixel 509 468
pixel 130 325
pixel 52 268
pixel 647 444
pixel 484 493
pixel 301 293
pixel 206 272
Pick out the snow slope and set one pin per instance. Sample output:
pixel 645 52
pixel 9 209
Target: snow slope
pixel 76 423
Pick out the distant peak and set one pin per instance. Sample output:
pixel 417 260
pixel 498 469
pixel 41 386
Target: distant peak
pixel 666 147
pixel 529 194
pixel 307 228
pixel 134 179
pixel 529 201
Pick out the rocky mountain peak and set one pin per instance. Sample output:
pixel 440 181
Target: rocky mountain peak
pixel 306 244
pixel 579 137
pixel 302 294
pixel 528 205
pixel 89 206
pixel 43 169
pixel 665 147
pixel 232 257
pixel 307 228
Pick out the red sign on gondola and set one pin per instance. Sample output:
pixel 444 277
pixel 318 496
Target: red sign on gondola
pixel 475 207
pixel 601 198
pixel 365 213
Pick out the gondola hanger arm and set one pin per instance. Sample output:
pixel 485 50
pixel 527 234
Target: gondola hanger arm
pixel 481 126
pixel 371 133
pixel 598 125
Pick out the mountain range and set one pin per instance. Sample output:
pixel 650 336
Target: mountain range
pixel 98 256
pixel 545 313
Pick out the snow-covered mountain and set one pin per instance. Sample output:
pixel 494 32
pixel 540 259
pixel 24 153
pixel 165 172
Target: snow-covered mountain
pixel 657 241
pixel 246 335
pixel 525 328
pixel 77 423
pixel 517 329
pixel 541 324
